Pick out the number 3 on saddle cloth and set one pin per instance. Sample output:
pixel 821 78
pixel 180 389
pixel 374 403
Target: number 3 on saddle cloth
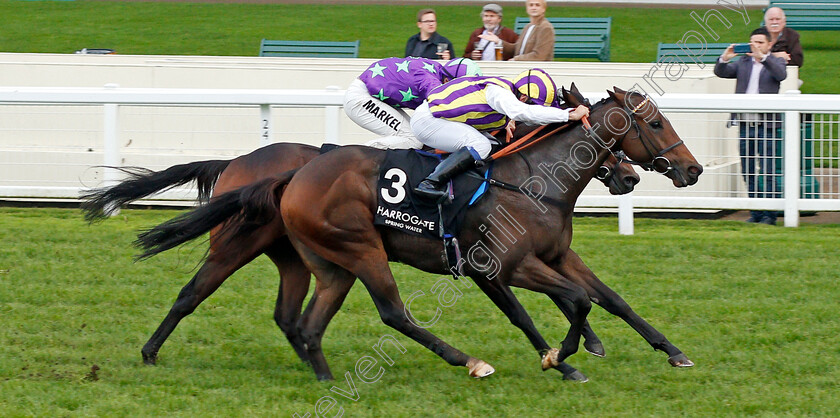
pixel 399 208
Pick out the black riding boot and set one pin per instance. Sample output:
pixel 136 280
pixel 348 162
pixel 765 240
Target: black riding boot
pixel 434 186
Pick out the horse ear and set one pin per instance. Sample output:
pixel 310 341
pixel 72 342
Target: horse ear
pixel 571 99
pixel 575 90
pixel 618 95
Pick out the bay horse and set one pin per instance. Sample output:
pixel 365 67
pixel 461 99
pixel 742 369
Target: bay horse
pixel 328 209
pixel 221 176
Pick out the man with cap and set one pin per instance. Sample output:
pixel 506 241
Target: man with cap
pixel 456 115
pixel 483 49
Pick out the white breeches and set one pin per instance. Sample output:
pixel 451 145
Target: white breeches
pixel 378 117
pixel 447 135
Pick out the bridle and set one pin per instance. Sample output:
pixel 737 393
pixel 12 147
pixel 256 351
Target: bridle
pixel 604 172
pixel 658 162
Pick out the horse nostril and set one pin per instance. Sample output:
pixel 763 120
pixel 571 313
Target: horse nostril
pixel 631 181
pixel 695 170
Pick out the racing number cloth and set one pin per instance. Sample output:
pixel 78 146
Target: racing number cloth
pixel 399 208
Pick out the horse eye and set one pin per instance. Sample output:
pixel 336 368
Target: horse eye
pixel 656 124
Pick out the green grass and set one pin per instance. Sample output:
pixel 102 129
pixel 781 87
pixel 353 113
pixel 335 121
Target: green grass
pixel 753 306
pixel 236 29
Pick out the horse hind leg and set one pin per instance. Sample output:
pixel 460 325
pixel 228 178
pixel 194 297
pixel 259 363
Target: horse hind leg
pixel 294 285
pixel 226 256
pixel 370 265
pixel 380 283
pixel 331 289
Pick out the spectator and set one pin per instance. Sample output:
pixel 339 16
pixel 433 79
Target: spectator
pixel 455 114
pixel 491 16
pixel 376 98
pixel 425 43
pixel 757 72
pixel 784 41
pixel 537 40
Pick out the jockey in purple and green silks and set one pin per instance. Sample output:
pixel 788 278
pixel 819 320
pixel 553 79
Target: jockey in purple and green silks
pixel 455 114
pixel 375 100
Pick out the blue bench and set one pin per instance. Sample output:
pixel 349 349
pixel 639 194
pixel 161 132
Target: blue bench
pixel 811 14
pixel 577 37
pixel 339 49
pixel 691 53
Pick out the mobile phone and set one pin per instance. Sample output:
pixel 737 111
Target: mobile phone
pixel 741 48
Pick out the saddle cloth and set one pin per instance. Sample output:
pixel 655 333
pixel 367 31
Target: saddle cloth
pixel 400 208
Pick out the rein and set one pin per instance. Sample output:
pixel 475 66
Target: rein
pixel 521 144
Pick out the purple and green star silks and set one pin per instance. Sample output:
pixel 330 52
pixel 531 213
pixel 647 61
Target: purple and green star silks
pixel 402 82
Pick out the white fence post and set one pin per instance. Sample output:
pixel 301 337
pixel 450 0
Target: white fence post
pixel 332 115
pixel 111 146
pixel 625 214
pixel 793 143
pixel 265 125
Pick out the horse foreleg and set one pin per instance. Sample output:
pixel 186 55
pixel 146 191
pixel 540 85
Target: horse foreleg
pixel 533 274
pixel 572 266
pixel 506 301
pixel 294 285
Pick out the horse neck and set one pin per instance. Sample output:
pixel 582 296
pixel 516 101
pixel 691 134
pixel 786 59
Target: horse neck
pixel 571 157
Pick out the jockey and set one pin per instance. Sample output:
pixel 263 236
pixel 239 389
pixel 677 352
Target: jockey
pixel 374 100
pixel 456 113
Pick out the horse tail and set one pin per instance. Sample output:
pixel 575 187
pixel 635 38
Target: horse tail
pixel 240 211
pixel 102 202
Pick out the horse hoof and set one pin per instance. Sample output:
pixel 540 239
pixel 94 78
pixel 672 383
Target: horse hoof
pixel 479 369
pixel 549 360
pixel 149 359
pixel 680 360
pixel 576 376
pixel 324 377
pixel 596 349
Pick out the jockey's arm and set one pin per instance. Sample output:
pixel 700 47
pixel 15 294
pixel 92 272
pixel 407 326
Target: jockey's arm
pixel 503 101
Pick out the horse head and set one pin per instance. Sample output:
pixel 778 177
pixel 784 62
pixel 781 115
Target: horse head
pixel 649 138
pixel 616 173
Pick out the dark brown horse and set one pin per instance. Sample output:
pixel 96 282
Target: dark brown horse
pixel 338 241
pixel 221 176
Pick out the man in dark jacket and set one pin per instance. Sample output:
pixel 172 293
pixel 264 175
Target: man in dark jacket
pixel 784 41
pixel 425 43
pixel 757 72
